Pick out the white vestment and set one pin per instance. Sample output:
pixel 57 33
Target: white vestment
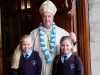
pixel 47 68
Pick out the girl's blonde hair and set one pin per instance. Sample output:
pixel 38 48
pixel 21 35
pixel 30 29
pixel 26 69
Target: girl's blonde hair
pixel 17 53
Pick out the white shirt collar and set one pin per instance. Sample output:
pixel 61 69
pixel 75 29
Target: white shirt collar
pixel 29 53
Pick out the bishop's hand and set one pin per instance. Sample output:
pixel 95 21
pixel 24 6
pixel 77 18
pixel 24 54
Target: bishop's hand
pixel 73 36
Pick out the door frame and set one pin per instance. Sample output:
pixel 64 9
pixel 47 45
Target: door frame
pixel 83 35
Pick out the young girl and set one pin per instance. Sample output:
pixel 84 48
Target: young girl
pixel 67 63
pixel 29 62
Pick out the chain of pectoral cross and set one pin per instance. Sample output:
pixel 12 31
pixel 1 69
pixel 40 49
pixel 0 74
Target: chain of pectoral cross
pixel 48 39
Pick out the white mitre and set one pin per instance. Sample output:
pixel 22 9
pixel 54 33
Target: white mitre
pixel 48 6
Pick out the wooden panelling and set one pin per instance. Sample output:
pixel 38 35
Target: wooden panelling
pixel 0 46
pixel 0 65
pixel 83 35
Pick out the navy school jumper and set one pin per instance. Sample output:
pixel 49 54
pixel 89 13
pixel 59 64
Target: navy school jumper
pixel 72 66
pixel 30 66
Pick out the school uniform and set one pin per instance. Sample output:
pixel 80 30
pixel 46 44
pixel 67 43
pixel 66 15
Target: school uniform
pixel 29 66
pixel 72 65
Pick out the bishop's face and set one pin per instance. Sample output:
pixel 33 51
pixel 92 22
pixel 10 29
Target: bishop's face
pixel 47 19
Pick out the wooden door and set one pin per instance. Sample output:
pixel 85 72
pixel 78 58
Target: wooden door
pixel 0 46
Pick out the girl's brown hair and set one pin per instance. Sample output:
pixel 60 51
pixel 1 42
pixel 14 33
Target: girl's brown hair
pixel 66 37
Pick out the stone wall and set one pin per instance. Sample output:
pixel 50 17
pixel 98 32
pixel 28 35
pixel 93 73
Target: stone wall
pixel 94 20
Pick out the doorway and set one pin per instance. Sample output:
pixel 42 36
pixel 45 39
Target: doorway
pixel 17 22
